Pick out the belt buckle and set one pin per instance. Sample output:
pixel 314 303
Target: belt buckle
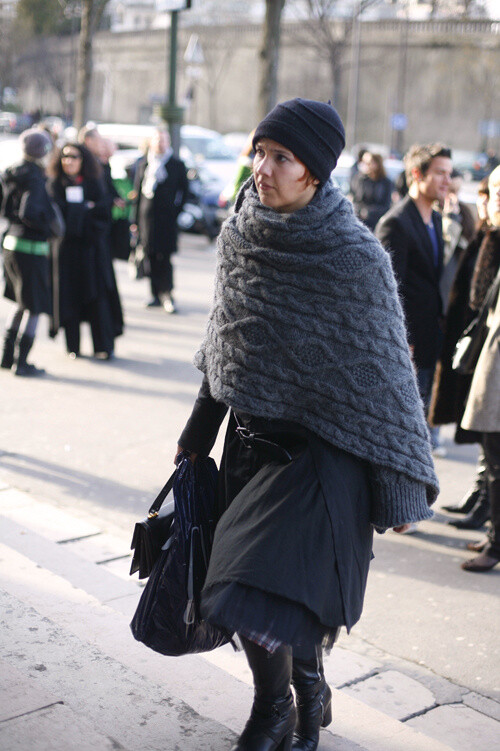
pixel 245 436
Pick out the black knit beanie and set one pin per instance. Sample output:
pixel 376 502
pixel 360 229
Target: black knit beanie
pixel 313 131
pixel 35 143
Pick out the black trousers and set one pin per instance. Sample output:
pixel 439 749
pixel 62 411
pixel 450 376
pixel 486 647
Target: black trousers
pixel 101 327
pixel 162 275
pixel 491 446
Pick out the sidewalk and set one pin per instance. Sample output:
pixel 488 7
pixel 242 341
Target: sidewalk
pixel 73 679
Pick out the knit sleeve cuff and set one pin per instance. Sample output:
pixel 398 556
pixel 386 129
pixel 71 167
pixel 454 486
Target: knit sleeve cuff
pixel 397 499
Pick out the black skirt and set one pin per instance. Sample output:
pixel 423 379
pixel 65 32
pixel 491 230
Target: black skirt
pixel 27 281
pixel 294 542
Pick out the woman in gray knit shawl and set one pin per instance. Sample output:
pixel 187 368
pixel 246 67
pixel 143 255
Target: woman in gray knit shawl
pixel 326 440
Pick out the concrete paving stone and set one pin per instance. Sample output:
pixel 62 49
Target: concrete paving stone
pixel 3 485
pixel 58 559
pixel 460 727
pixel 121 568
pixel 343 667
pixel 121 704
pixel 100 548
pixel 444 691
pixel 483 704
pixel 55 728
pixel 43 518
pixel 369 729
pixel 393 693
pixel 19 694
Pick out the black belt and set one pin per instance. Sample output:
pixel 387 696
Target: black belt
pixel 259 440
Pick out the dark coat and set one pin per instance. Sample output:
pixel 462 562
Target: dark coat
pixel 85 267
pixel 27 207
pixel 403 233
pixel 156 217
pixel 371 198
pixel 450 389
pixel 310 517
pixel 482 411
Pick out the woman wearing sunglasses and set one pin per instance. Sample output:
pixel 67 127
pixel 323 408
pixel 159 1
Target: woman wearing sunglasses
pixel 87 285
pixel 306 346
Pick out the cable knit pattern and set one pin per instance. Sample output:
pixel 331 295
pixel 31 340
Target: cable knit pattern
pixel 307 326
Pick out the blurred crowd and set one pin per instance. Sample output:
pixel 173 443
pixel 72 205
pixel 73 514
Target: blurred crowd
pixel 67 219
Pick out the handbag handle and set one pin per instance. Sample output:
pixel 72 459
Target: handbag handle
pixel 157 503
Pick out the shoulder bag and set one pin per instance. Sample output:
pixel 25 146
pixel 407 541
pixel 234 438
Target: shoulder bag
pixel 470 344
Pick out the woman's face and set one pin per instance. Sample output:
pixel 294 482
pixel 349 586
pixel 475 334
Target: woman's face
pixel 71 161
pixel 280 178
pixel 370 165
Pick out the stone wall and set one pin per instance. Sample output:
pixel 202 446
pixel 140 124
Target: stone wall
pixel 450 83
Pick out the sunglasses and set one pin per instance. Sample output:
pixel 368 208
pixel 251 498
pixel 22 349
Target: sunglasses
pixel 71 156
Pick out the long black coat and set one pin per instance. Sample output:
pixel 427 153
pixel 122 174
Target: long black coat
pixel 371 198
pixel 27 207
pixel 450 389
pixel 85 266
pixel 403 233
pixel 156 217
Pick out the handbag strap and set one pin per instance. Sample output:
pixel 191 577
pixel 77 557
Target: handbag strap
pixel 157 503
pixel 489 300
pixel 488 303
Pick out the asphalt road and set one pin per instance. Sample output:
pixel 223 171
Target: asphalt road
pixel 101 436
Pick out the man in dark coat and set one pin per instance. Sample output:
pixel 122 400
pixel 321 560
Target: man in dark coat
pixel 161 186
pixel 412 233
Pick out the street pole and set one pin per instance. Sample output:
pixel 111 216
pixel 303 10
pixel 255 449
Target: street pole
pixel 173 114
pixel 352 107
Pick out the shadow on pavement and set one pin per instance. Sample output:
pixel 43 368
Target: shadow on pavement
pixel 78 484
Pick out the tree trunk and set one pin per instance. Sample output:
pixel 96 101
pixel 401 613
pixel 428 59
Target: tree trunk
pixel 269 57
pixel 84 64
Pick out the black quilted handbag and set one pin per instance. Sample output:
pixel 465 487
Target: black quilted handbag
pixel 167 618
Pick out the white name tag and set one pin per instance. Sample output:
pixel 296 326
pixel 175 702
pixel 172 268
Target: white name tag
pixel 74 194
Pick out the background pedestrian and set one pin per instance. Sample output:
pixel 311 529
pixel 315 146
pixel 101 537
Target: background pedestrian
pixel 161 187
pixel 32 220
pixel 87 285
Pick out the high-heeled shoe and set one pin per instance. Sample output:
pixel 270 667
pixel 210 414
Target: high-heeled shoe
pixel 471 497
pixel 481 563
pixel 270 726
pixel 313 699
pixel 478 517
pixel 273 717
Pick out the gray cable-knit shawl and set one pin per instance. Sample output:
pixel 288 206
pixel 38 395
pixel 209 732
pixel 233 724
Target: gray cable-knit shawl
pixel 307 326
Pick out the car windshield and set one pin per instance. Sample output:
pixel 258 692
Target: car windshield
pixel 208 148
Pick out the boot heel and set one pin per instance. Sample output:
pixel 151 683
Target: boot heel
pixel 286 743
pixel 327 715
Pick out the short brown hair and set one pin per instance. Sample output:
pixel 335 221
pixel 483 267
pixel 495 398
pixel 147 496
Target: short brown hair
pixel 419 156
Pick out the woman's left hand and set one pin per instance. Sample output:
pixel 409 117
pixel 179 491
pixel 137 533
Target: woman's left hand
pixel 403 528
pixel 179 449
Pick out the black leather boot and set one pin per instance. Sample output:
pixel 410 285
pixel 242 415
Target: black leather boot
pixel 314 701
pixel 473 495
pixel 478 517
pixel 24 368
pixel 9 342
pixel 273 716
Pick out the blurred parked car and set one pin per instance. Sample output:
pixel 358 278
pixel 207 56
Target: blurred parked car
pixel 471 164
pixel 14 122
